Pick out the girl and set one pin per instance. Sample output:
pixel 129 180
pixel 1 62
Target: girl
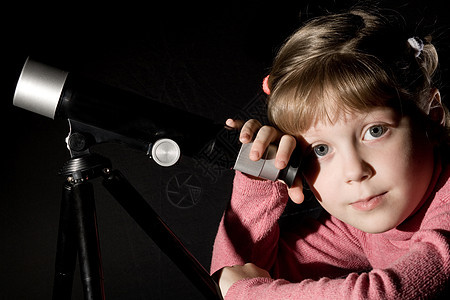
pixel 356 94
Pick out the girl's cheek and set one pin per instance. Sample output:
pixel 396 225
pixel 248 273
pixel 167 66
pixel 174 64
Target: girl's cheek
pixel 311 169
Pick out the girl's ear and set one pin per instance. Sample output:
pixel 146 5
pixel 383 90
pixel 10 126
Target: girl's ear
pixel 435 109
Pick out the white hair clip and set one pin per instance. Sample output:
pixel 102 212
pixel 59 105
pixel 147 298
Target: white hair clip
pixel 417 45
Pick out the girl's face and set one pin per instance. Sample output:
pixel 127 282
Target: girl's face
pixel 371 169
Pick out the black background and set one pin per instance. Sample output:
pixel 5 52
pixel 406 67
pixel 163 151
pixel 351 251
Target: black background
pixel 207 59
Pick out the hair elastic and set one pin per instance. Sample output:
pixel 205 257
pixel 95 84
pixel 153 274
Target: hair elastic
pixel 417 44
pixel 265 85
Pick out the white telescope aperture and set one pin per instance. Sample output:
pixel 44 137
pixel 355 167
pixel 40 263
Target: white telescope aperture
pixel 39 88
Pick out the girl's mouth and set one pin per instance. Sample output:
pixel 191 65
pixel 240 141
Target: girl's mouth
pixel 368 203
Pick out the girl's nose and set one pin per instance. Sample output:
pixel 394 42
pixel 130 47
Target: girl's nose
pixel 355 168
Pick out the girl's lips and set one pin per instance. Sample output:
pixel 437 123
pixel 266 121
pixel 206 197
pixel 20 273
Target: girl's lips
pixel 368 203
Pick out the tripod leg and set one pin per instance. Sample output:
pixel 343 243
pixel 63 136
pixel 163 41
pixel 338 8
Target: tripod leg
pixel 83 206
pixel 151 223
pixel 66 250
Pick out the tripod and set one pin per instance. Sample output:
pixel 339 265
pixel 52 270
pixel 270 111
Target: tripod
pixel 78 232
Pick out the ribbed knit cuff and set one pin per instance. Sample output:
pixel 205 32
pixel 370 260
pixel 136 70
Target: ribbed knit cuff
pixel 250 187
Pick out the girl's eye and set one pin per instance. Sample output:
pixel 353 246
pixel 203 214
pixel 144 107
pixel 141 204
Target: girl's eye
pixel 375 132
pixel 320 150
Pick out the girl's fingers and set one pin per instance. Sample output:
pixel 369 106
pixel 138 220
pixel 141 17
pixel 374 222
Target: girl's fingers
pixel 234 124
pixel 295 192
pixel 284 152
pixel 266 135
pixel 248 130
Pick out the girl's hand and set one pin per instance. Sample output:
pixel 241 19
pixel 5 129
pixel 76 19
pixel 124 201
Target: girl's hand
pixel 230 275
pixel 265 135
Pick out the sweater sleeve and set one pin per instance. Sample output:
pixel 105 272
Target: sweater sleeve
pixel 421 274
pixel 248 231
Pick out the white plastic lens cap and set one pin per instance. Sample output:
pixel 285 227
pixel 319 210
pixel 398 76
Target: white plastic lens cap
pixel 165 152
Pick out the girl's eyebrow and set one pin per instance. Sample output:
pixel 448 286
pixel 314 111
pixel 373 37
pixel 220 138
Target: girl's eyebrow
pixel 311 137
pixel 383 115
pixel 380 114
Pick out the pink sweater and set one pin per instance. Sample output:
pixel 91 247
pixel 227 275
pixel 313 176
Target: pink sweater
pixel 328 259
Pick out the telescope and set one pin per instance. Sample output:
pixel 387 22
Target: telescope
pixel 98 113
pixel 103 113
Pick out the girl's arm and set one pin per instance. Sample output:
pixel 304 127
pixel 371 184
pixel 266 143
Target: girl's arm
pixel 420 274
pixel 248 231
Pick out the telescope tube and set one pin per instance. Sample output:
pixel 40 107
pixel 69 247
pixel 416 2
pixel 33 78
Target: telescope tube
pixel 58 94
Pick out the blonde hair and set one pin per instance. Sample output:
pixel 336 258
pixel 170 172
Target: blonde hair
pixel 346 62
